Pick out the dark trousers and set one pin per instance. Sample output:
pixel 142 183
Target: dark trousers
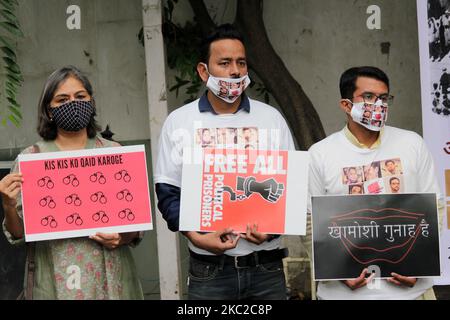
pixel 222 281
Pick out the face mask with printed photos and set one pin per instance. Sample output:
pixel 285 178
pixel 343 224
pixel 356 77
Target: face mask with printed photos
pixel 227 89
pixel 73 116
pixel 372 116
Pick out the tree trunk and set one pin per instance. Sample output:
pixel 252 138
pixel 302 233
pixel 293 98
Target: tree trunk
pixel 297 108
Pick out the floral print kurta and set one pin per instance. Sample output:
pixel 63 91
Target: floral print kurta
pixel 80 268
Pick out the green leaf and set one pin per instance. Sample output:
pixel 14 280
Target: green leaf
pixel 13 80
pixel 14 120
pixel 6 42
pixel 11 87
pixel 17 76
pixel 4 122
pixel 8 15
pixel 11 28
pixel 10 93
pixel 14 2
pixel 10 53
pixel 7 4
pixel 179 84
pixel 13 102
pixel 14 69
pixel 16 112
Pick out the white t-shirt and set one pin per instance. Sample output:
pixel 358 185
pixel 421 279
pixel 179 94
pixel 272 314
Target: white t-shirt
pixel 262 128
pixel 337 165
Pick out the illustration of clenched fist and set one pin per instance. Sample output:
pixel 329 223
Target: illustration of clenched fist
pixel 269 189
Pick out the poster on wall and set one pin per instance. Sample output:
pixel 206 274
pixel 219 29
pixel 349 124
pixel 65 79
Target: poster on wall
pixel 434 45
pixel 230 188
pixel 78 193
pixel 394 233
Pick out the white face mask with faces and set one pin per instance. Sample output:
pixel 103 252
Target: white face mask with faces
pixel 372 116
pixel 227 89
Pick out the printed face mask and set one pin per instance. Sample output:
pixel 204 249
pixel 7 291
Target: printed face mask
pixel 227 89
pixel 73 116
pixel 373 116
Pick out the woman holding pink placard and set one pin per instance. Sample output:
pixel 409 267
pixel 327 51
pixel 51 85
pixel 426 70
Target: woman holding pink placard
pixel 98 267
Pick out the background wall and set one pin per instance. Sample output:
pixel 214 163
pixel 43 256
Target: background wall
pixel 106 48
pixel 319 40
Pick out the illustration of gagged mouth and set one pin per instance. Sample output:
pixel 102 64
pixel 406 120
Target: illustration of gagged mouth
pixel 385 235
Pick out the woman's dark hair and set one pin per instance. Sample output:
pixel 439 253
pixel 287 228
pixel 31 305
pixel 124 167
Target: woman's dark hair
pixel 222 32
pixel 347 83
pixel 46 127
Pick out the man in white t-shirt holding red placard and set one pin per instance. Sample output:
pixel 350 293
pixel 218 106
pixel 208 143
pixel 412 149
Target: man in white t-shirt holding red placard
pixel 224 265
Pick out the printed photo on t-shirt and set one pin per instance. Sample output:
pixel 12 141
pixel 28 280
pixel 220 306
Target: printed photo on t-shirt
pixel 374 178
pixel 374 187
pixel 352 175
pixel 372 171
pixel 394 184
pixel 239 138
pixel 356 189
pixel 226 137
pixel 206 137
pixel 248 138
pixel 391 167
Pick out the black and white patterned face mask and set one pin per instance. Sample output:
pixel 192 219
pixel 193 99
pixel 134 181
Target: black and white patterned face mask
pixel 73 116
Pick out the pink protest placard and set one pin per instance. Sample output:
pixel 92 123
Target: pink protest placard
pixel 78 193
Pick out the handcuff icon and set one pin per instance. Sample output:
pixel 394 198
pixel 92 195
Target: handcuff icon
pixel 71 179
pixel 122 174
pixel 47 201
pixel 124 194
pixel 46 181
pixel 49 220
pixel 99 196
pixel 74 217
pixel 126 213
pixel 98 176
pixel 73 199
pixel 100 215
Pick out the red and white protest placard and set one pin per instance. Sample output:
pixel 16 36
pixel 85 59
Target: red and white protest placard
pixel 78 193
pixel 232 188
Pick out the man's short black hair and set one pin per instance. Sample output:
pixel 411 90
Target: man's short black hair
pixel 347 83
pixel 222 32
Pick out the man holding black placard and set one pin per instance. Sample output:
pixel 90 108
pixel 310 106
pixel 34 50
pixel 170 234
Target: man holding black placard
pixel 364 145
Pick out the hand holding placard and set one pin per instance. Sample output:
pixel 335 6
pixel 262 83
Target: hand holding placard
pixel 359 282
pixel 253 235
pixel 215 242
pixel 402 280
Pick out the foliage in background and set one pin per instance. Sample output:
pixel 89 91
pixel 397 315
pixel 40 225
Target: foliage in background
pixel 182 45
pixel 10 26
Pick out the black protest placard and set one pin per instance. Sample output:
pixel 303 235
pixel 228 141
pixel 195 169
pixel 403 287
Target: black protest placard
pixel 390 233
